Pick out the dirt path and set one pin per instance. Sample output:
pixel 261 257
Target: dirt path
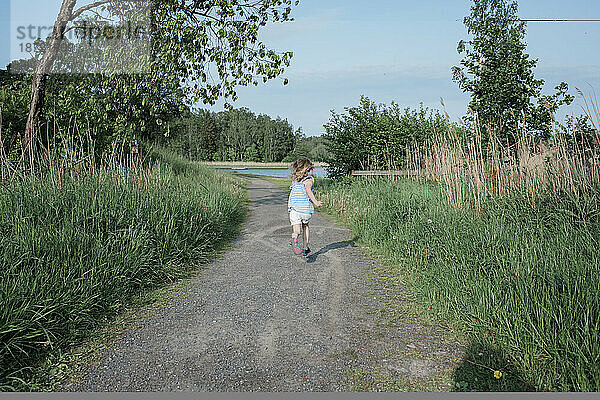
pixel 261 318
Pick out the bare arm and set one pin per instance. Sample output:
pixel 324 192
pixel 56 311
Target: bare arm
pixel 308 184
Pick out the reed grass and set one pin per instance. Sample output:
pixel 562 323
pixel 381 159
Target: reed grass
pixel 79 239
pixel 472 173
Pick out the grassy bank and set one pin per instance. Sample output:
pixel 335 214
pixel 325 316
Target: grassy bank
pixel 521 282
pixel 76 246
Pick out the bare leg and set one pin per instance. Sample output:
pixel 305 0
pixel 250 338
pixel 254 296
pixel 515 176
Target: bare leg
pixel 295 231
pixel 305 231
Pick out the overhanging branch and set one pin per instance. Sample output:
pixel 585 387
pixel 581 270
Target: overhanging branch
pixel 83 9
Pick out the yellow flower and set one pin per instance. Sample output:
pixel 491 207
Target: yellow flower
pixel 497 374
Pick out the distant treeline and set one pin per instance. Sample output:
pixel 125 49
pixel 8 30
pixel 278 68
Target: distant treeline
pixel 239 135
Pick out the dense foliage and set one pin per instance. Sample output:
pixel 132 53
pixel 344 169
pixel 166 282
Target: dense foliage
pixel 313 147
pixel 109 109
pixel 14 102
pixel 112 112
pixel 372 136
pixel 200 52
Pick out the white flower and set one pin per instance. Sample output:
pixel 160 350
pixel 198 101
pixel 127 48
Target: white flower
pixel 429 221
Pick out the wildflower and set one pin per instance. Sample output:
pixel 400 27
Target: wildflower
pixel 429 221
pixel 497 374
pixel 394 237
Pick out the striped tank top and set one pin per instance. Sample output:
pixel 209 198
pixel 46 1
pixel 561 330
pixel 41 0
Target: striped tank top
pixel 299 200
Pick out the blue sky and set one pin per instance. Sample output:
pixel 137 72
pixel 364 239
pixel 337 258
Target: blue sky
pixel 399 51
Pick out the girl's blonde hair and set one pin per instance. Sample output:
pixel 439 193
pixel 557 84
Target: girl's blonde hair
pixel 300 168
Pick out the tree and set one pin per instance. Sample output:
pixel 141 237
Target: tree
pixel 234 135
pixel 14 98
pixel 500 75
pixel 209 135
pixel 190 39
pixel 312 147
pixel 251 153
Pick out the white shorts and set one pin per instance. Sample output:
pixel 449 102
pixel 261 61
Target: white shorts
pixel 297 218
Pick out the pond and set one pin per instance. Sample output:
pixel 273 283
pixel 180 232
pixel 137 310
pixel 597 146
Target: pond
pixel 277 172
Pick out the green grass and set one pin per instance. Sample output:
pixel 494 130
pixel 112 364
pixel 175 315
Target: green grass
pixel 282 182
pixel 522 283
pixel 77 247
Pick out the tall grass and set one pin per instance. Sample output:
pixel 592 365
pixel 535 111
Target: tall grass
pixel 79 240
pixel 513 276
pixel 503 243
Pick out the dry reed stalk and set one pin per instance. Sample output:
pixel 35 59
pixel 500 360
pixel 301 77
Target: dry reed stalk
pixel 469 175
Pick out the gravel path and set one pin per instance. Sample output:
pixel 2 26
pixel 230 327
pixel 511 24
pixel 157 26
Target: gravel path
pixel 260 318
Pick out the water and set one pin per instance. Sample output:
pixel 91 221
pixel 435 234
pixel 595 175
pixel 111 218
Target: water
pixel 277 172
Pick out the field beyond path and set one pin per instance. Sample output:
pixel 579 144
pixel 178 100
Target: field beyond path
pixel 260 318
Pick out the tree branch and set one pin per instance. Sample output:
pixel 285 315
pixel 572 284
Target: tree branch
pixel 88 7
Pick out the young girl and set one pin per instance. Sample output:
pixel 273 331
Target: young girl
pixel 299 202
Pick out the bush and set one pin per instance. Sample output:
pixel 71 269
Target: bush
pixel 374 136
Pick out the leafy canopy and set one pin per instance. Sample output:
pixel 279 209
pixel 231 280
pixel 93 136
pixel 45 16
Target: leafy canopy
pixel 200 51
pixel 214 45
pixel 231 135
